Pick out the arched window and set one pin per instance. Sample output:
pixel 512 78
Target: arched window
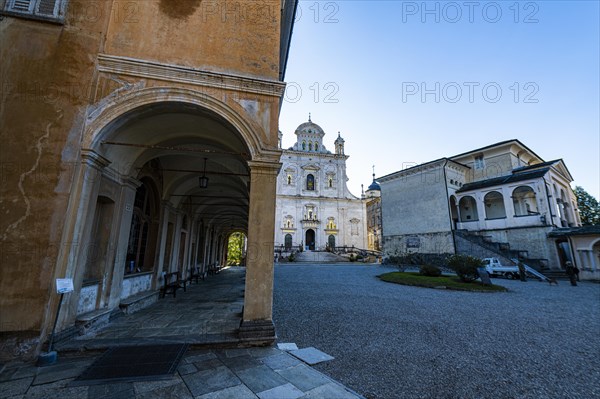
pixel 330 182
pixel 310 183
pixel 304 146
pixel 316 146
pixel 494 205
pixel 468 209
pixel 524 201
pixel 289 179
pixel 288 242
pixel 310 146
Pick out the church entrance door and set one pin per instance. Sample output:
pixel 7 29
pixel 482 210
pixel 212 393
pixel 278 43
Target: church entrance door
pixel 310 239
pixel 332 241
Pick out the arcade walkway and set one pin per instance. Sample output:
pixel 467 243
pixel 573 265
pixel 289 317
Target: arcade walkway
pixel 208 313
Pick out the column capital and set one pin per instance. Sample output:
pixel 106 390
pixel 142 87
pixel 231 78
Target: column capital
pixel 131 182
pixel 93 159
pixel 265 167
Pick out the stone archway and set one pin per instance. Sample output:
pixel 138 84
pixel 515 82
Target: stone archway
pixel 179 131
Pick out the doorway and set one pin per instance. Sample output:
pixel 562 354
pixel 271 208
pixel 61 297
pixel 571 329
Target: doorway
pixel 310 239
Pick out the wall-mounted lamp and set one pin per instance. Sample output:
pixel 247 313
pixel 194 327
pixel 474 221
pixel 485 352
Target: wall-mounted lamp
pixel 203 180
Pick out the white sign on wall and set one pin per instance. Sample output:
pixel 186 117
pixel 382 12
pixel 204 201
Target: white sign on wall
pixel 64 285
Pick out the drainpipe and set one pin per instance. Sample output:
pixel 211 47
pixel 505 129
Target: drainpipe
pixel 448 205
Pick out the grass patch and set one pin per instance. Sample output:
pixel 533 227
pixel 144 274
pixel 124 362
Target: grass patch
pixel 449 282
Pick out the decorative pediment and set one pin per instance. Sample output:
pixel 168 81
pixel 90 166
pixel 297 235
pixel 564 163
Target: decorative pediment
pixel 311 166
pixel 562 169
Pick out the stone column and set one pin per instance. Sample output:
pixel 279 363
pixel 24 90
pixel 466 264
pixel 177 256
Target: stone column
pixel 78 224
pixel 257 321
pixel 174 265
pixel 205 253
pixel 163 230
pixel 123 215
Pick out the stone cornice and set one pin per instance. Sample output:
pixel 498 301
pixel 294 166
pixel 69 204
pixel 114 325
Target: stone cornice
pixel 174 73
pixel 314 154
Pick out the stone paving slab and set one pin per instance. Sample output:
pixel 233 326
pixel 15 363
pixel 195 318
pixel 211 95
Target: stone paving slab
pixel 287 346
pixel 311 355
pixel 281 361
pixel 287 391
pixel 304 378
pixel 212 380
pixel 238 392
pixel 261 378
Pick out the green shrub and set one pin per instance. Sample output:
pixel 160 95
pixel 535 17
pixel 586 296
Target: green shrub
pixel 352 258
pixel 430 271
pixel 291 258
pixel 465 267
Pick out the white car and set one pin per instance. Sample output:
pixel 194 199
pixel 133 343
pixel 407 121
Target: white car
pixel 495 268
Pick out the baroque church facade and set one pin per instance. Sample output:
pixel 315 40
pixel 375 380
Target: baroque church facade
pixel 315 210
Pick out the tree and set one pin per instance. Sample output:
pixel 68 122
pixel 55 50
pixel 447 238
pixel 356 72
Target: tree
pixel 589 209
pixel 235 249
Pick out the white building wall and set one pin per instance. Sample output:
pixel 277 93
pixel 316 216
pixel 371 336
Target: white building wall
pixel 327 201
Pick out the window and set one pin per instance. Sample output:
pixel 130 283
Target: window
pixel 330 182
pixel 316 146
pixel 479 162
pixel 289 179
pixel 310 146
pixel 42 9
pixel 310 183
pixel 304 146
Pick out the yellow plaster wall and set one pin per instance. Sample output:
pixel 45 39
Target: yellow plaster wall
pixel 197 33
pixel 46 76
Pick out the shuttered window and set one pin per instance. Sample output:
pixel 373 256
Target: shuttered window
pixel 44 9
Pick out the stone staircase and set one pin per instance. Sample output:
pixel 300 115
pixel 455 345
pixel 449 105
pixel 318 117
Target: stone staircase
pixel 470 243
pixel 319 257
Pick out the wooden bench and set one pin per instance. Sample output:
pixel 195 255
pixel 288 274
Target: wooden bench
pixel 196 274
pixel 171 283
pixel 215 268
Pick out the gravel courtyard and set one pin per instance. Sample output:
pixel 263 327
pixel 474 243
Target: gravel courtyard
pixel 394 341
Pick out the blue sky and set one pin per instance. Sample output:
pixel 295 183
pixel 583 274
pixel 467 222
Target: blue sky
pixel 408 82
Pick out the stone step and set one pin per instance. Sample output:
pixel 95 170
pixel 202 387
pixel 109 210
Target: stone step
pixel 319 257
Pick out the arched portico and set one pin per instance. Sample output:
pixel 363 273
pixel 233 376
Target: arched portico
pixel 177 137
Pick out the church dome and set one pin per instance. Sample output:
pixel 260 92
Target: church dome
pixel 374 186
pixel 310 128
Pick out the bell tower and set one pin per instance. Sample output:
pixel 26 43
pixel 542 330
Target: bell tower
pixel 339 145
